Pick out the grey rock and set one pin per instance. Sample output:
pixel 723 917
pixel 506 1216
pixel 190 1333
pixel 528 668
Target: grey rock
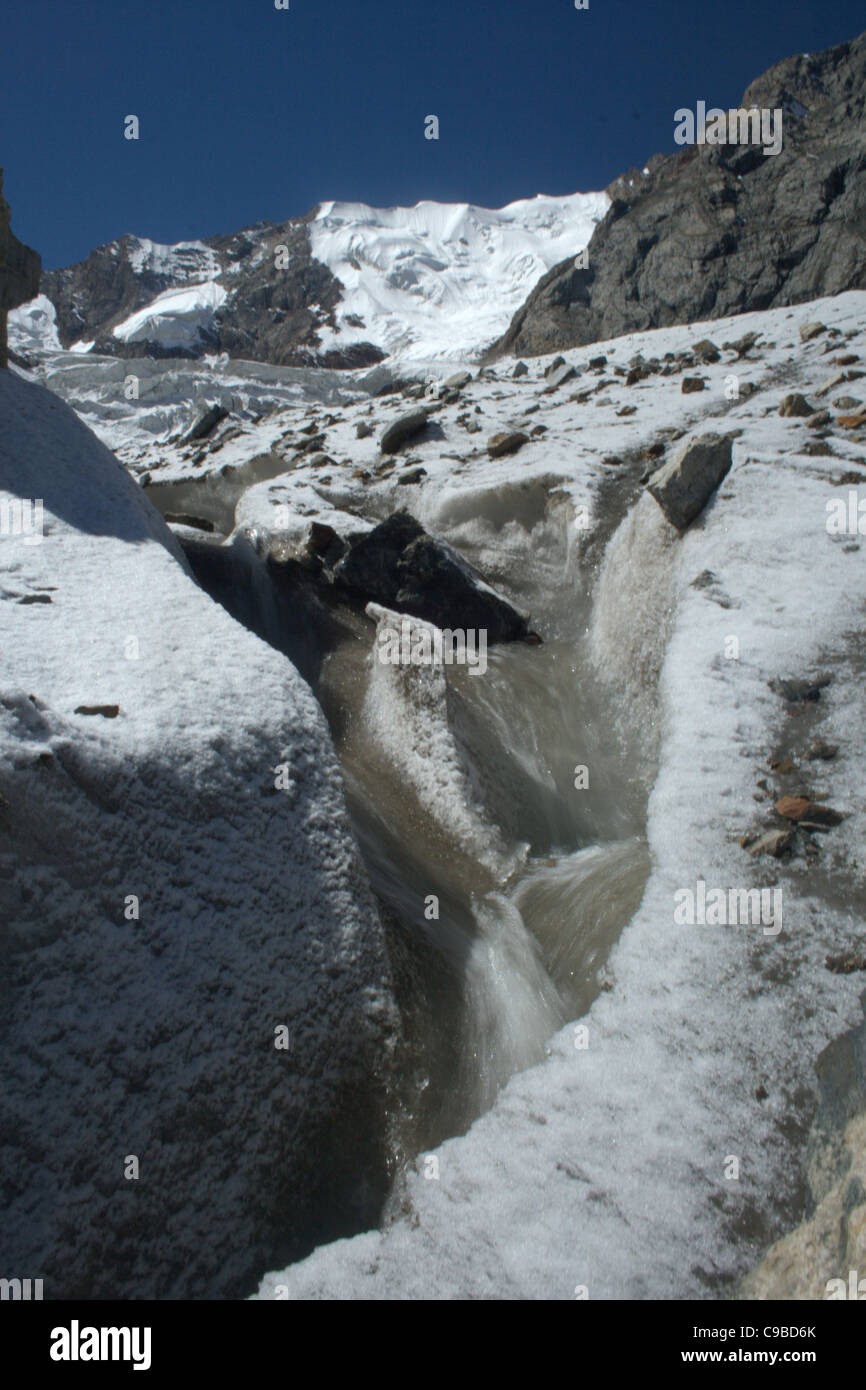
pixel 205 424
pixel 687 240
pixel 684 485
pixel 403 430
pixel 457 381
pixel 520 370
pixel 808 331
pixel 558 378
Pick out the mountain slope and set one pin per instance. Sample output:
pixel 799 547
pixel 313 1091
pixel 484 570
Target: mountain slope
pixel 343 287
pixel 723 229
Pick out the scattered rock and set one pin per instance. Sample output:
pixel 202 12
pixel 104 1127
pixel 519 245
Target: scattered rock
pixel 799 691
pixel 796 405
pixel 823 751
pixel 206 424
pixel 554 366
pixel 597 363
pixel 774 842
pixel 808 331
pixel 846 962
pixel 852 422
pixel 743 345
pixel 846 403
pixel 692 384
pixel 684 485
pixel 107 711
pixel 627 410
pixel 501 445
pixel 520 370
pixel 821 417
pixel 806 812
pixel 363 429
pixel 558 378
pixel 706 351
pixel 402 430
pixel 457 381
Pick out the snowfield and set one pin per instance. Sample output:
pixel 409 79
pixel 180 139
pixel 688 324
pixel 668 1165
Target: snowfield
pixel 443 280
pixel 177 880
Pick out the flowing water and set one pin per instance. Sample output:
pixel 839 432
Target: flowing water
pixel 503 880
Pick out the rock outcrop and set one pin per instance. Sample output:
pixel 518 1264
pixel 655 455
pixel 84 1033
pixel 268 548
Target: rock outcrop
pixel 723 229
pixel 20 269
pixel 277 297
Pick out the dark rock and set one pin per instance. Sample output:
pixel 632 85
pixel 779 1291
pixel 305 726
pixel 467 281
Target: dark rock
pixel 403 430
pixel 414 475
pixel 693 383
pixel 806 812
pixel 706 351
pixel 206 424
pixel 520 370
pixel 799 691
pixel 20 270
pixel 684 485
pixel 402 567
pixel 597 362
pixel 457 381
pixel 363 429
pixel 106 711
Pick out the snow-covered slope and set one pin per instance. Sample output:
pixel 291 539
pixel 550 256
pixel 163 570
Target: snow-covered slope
pixel 167 905
pixel 658 1154
pixel 438 279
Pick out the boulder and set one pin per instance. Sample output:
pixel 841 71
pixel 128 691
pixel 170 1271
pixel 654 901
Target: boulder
pixel 808 331
pixel 20 270
pixel 403 430
pixel 559 377
pixel 520 370
pixel 457 381
pixel 693 383
pixel 500 445
pixel 684 485
pixel 399 565
pixel 796 405
pixel 206 424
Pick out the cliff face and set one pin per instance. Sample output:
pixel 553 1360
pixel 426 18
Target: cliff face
pixel 723 229
pixel 20 269
pixel 262 314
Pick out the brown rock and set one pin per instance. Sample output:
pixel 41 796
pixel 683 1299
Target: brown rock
pixel 808 331
pixel 500 445
pixel 693 383
pixel 796 404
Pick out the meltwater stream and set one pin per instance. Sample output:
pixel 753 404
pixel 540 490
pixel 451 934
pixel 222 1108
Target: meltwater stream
pixel 504 877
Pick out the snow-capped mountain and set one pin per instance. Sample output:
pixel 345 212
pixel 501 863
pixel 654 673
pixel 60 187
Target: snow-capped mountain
pixel 345 286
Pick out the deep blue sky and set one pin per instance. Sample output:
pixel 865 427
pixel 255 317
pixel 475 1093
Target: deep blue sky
pixel 250 113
